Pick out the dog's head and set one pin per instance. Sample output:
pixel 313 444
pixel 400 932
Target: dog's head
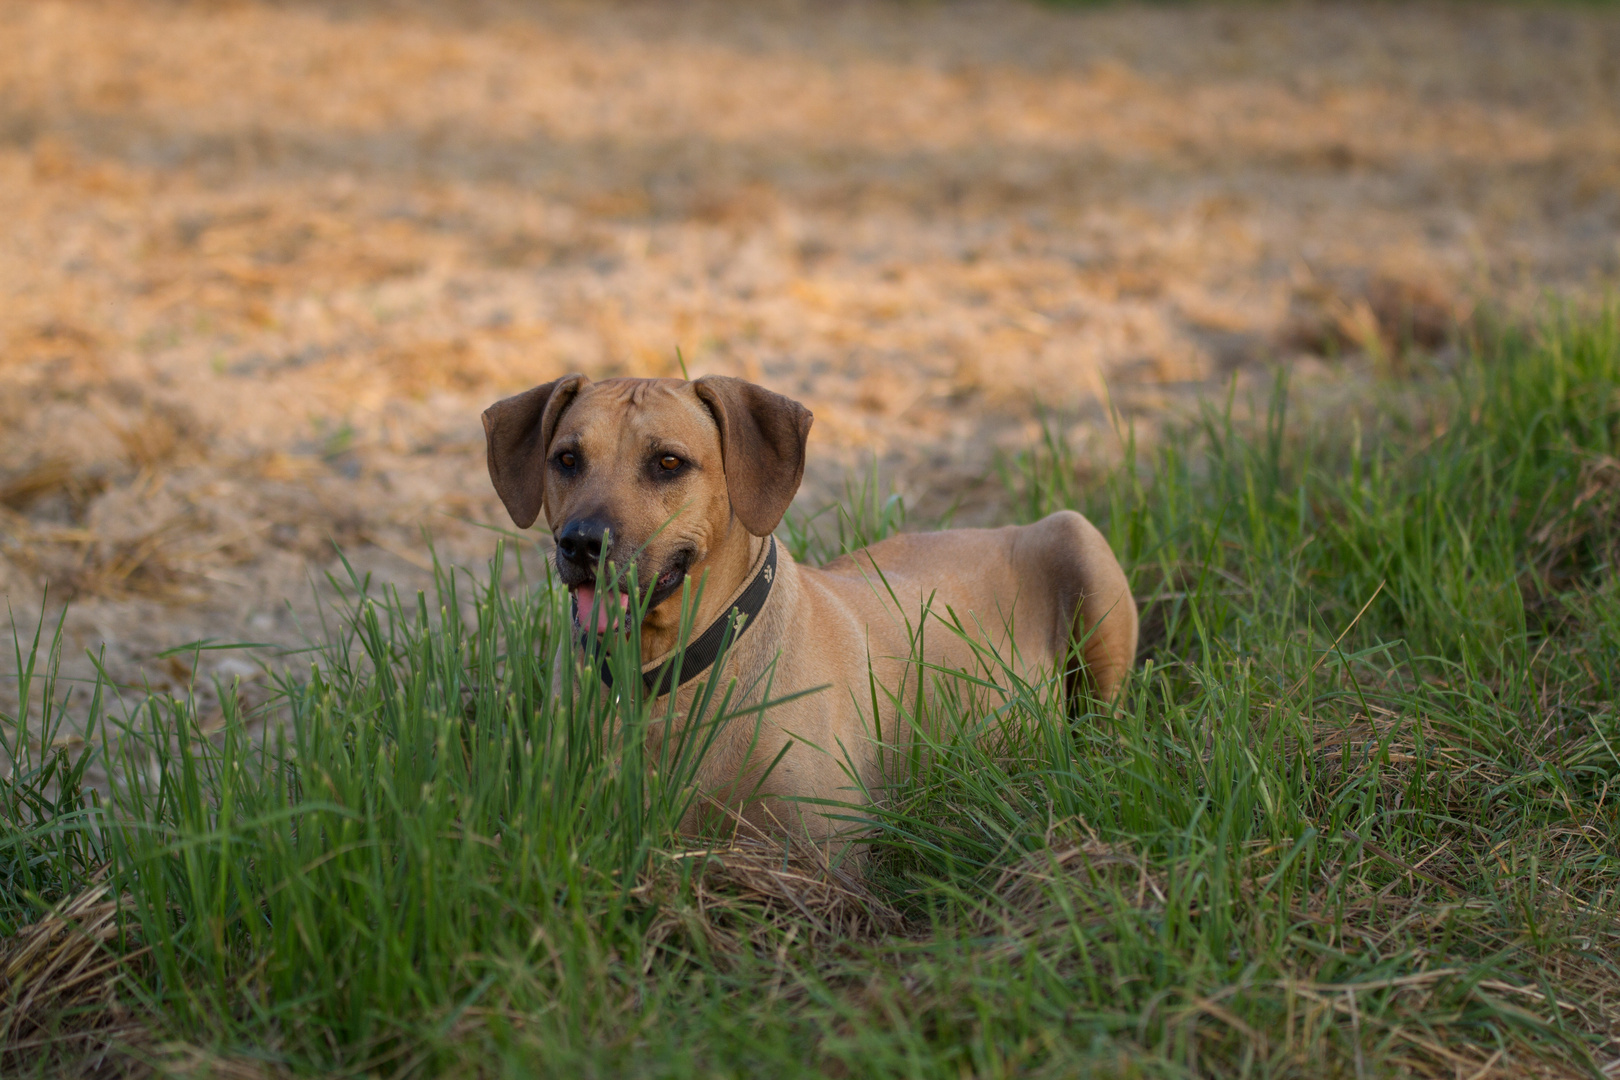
pixel 655 472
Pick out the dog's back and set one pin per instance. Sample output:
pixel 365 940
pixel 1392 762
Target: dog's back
pixel 1017 597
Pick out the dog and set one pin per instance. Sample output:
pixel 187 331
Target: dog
pixel 686 481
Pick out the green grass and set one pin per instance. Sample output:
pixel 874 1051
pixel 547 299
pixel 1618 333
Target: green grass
pixel 1357 814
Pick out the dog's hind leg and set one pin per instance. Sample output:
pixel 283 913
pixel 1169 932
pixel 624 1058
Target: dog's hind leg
pixel 1094 620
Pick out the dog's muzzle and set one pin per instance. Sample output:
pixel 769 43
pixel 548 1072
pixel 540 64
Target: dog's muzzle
pixel 579 549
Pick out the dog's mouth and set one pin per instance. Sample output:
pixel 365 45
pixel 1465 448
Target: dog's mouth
pixel 606 614
pixel 610 611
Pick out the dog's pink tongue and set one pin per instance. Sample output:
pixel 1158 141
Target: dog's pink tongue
pixel 585 596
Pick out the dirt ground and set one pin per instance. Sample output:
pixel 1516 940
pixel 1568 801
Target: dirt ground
pixel 262 264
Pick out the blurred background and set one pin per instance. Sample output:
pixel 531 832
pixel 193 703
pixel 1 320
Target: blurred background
pixel 262 264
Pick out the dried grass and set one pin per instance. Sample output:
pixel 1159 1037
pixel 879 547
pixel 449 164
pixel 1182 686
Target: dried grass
pixel 60 1006
pixel 79 563
pixel 158 438
pixel 19 490
pixel 1088 882
pixel 745 895
pixel 1562 541
pixel 1027 888
pixel 1384 318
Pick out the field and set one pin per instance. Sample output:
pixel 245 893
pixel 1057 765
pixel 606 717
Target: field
pixel 1356 816
pixel 1261 289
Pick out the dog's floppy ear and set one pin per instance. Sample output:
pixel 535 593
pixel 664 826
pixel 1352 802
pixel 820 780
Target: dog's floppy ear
pixel 517 431
pixel 762 437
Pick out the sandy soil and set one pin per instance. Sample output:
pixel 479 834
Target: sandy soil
pixel 262 264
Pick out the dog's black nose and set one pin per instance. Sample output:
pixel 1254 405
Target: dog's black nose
pixel 580 542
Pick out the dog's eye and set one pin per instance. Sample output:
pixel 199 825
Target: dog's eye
pixel 669 463
pixel 568 459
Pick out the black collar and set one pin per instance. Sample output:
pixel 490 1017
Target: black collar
pixel 704 650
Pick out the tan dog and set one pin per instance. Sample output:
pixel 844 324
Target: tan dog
pixel 689 480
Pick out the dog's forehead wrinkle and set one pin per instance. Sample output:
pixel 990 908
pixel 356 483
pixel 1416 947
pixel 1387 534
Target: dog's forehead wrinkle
pixel 638 391
pixel 671 422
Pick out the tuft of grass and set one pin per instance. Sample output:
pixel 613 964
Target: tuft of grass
pixel 864 516
pixel 1355 816
pixel 50 848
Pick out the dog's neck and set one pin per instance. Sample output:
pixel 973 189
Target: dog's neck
pixel 720 574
